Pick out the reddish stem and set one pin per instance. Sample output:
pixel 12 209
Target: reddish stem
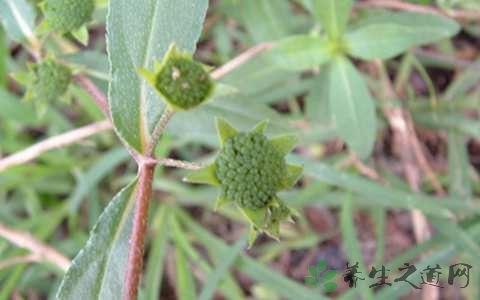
pixel 137 241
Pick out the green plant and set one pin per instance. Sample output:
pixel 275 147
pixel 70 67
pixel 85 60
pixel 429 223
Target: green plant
pixel 380 36
pixel 319 70
pixel 250 170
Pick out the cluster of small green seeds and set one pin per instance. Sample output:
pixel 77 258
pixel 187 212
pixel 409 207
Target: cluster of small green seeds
pixel 68 15
pixel 250 170
pixel 50 80
pixel 184 82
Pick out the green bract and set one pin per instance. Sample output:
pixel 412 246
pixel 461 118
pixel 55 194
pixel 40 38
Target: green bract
pixel 182 82
pixel 67 15
pixel 250 169
pixel 48 80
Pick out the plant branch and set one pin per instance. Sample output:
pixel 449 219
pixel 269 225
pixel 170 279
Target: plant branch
pixel 97 95
pixel 55 142
pixel 29 258
pixel 137 241
pixel 240 60
pixel 42 251
pixel 168 162
pixel 158 130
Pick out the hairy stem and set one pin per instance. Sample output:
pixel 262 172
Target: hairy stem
pixel 137 241
pixel 159 128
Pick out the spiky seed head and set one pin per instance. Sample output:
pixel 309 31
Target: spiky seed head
pixel 48 80
pixel 250 170
pixel 68 15
pixel 181 81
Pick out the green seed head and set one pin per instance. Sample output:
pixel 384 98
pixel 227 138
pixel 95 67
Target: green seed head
pixel 250 170
pixel 49 80
pixel 182 82
pixel 68 15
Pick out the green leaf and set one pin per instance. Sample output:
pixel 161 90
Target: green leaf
pixel 294 172
pixel 199 125
pixel 256 217
pixel 185 281
pixel 330 286
pixel 350 241
pixel 254 269
pixel 351 106
pixel 459 166
pixel 4 53
pixel 333 14
pixel 139 34
pixel 301 52
pixel 228 286
pixel 220 202
pixel 158 251
pixel 260 126
pixel 321 265
pixel 92 177
pixel 329 275
pixel 265 20
pixel 18 19
pixel 389 35
pixel 313 271
pixel 284 143
pixel 81 35
pixel 98 271
pixel 311 280
pixel 225 130
pixel 206 175
pixel 372 193
pixel 226 261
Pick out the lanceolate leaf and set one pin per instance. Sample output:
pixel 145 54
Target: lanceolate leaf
pixel 333 14
pixel 386 36
pixel 139 33
pixel 351 107
pixel 18 19
pixel 301 52
pixel 99 269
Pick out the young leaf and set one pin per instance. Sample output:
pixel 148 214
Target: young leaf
pixel 139 33
pixel 387 36
pixel 333 14
pixel 98 270
pixel 351 107
pixel 284 143
pixel 301 52
pixel 294 174
pixel 225 130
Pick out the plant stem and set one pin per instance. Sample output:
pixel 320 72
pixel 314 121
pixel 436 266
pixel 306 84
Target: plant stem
pixel 159 128
pixel 137 241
